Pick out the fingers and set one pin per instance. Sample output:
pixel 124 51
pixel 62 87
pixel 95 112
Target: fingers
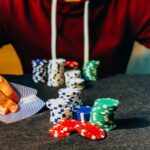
pixel 7 104
pixel 6 88
pixel 3 110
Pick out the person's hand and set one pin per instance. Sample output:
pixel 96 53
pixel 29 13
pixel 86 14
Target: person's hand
pixel 7 105
pixel 6 88
pixel 8 97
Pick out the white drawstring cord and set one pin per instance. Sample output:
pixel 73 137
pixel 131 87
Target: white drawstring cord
pixel 53 29
pixel 86 31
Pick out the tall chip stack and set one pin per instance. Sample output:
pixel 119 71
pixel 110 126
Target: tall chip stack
pixel 102 113
pixel 56 72
pixel 73 79
pixel 59 110
pixel 90 70
pixel 39 70
pixel 76 83
pixel 72 74
pixel 72 96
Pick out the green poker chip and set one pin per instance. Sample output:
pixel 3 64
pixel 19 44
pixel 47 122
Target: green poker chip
pixel 106 103
pixel 90 70
pixel 102 113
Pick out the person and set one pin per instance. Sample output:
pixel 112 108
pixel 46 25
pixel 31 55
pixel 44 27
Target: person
pixel 107 28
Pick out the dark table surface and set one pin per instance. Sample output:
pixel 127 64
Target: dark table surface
pixel 132 117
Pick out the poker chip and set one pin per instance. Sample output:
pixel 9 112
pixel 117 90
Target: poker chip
pixel 68 125
pixel 102 113
pixel 90 131
pixel 59 110
pixel 69 93
pixel 56 72
pixel 90 70
pixel 72 74
pixel 39 70
pixel 82 113
pixel 72 96
pixel 62 108
pixel 70 65
pixel 58 132
pixel 77 83
pixel 63 128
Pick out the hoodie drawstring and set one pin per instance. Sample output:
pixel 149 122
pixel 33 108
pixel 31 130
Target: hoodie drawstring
pixel 54 30
pixel 86 31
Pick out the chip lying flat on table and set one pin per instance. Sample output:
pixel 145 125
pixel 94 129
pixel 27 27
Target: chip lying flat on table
pixel 6 88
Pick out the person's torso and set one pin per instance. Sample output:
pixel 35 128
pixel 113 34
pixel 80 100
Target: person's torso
pixel 109 33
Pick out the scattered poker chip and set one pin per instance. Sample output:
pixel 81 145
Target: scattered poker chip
pixel 68 125
pixel 90 131
pixel 102 113
pixel 82 113
pixel 69 65
pixel 58 132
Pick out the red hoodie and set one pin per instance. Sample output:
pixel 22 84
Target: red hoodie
pixel 113 27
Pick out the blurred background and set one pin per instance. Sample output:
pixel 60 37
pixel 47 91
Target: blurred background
pixel 139 61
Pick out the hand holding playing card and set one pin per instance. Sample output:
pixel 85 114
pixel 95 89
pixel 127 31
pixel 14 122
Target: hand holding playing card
pixel 7 105
pixel 8 97
pixel 7 89
pixel 18 99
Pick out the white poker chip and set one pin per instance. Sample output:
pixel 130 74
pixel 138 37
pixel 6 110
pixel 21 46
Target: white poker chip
pixel 56 72
pixel 76 81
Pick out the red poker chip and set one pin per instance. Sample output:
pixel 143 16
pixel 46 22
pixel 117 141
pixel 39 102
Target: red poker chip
pixel 68 125
pixel 90 131
pixel 58 132
pixel 71 64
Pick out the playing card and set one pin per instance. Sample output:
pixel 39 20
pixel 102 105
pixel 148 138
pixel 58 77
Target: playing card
pixel 28 107
pixel 29 104
pixel 23 91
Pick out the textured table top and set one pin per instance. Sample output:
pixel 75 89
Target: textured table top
pixel 132 117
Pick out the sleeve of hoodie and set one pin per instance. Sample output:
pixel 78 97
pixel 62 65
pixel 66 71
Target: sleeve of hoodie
pixel 139 14
pixel 3 23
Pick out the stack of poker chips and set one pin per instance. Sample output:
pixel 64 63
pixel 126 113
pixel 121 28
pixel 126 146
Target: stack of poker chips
pixel 73 79
pixel 72 96
pixel 39 71
pixel 76 83
pixel 90 70
pixel 59 110
pixel 102 113
pixel 82 113
pixel 56 72
pixel 72 74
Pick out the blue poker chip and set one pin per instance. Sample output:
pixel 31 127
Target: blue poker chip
pixel 82 113
pixel 39 70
